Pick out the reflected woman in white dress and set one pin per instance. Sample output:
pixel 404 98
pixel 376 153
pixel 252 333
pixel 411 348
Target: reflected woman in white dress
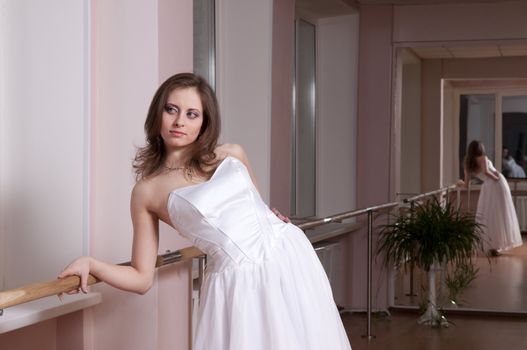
pixel 495 209
pixel 264 286
pixel 510 167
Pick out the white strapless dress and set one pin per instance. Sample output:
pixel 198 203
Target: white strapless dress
pixel 264 287
pixel 497 214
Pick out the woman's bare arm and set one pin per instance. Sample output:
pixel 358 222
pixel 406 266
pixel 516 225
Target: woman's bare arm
pixel 466 181
pixel 138 277
pixel 482 161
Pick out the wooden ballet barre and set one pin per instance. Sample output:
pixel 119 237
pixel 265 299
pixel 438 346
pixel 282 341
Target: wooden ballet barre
pixel 36 291
pixel 40 290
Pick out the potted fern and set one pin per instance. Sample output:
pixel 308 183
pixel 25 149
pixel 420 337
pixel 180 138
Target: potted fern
pixel 431 235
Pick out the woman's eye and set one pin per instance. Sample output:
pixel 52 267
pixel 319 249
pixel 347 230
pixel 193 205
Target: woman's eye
pixel 192 115
pixel 171 109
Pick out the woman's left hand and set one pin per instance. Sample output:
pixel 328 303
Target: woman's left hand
pixel 280 215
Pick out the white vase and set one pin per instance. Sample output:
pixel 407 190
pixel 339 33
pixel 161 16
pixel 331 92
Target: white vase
pixel 432 317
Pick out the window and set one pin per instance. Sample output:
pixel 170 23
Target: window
pixel 204 40
pixel 498 118
pixel 304 122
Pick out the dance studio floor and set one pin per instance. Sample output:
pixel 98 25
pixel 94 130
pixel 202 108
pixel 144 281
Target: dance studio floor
pixel 495 316
pixel 500 286
pixel 400 331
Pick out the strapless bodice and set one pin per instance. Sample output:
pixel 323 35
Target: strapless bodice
pixel 225 217
pixel 264 286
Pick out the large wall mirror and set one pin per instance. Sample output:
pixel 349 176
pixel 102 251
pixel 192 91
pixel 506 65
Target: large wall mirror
pixel 455 108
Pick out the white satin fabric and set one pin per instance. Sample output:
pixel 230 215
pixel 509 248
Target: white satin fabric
pixel 265 288
pixel 497 214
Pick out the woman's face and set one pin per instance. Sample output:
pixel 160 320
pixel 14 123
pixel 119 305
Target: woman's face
pixel 182 118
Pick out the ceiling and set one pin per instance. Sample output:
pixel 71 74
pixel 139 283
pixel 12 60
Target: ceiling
pixel 316 9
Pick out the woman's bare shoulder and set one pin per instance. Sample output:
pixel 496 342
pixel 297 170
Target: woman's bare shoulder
pixel 230 149
pixel 144 190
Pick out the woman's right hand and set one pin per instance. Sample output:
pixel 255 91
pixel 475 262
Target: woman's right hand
pixel 280 215
pixel 79 267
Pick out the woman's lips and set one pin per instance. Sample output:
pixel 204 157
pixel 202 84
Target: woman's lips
pixel 177 133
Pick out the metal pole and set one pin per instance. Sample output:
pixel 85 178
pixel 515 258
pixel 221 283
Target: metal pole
pixel 369 284
pixel 411 293
pixel 458 198
pixel 412 265
pixel 202 262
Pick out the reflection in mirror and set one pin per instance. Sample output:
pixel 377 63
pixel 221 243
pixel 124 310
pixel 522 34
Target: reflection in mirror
pixel 514 139
pixel 476 122
pixel 495 112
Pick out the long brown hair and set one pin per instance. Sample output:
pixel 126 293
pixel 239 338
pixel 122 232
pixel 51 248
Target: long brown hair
pixel 150 158
pixel 475 149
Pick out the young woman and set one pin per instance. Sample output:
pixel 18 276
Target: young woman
pixel 495 207
pixel 265 287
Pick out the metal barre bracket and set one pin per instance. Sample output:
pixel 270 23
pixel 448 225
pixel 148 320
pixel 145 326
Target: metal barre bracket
pixel 171 257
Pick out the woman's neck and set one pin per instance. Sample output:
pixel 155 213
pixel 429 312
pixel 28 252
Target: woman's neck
pixel 177 158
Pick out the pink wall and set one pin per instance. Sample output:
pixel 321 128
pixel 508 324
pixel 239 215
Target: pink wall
pixel 175 44
pixel 431 125
pixel 374 105
pixel 373 134
pixel 125 74
pixel 281 106
pixel 135 47
pixel 62 333
pixel 458 22
pixel 40 336
pixel 503 67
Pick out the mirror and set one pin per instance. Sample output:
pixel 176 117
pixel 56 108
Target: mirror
pixel 464 108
